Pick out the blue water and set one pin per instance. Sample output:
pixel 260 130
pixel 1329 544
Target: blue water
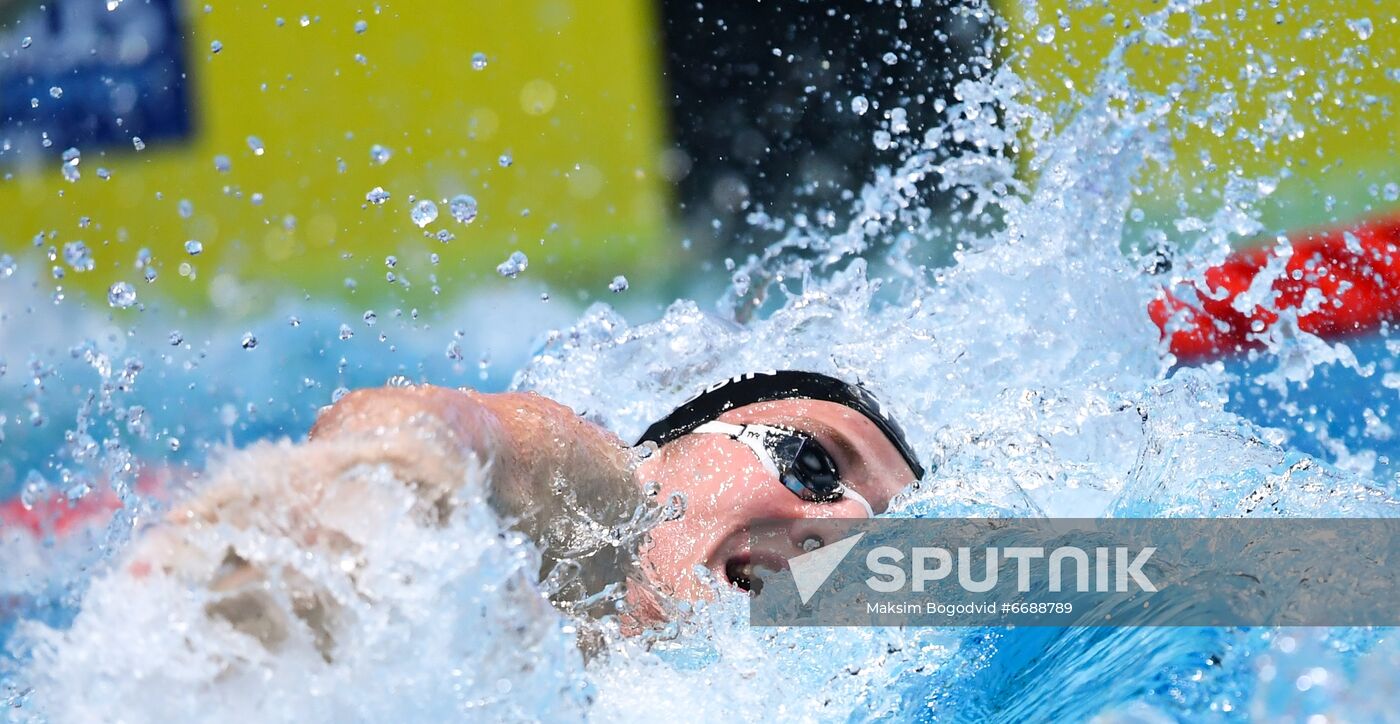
pixel 1026 368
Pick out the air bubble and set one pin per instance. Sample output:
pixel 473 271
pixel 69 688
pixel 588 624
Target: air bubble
pixel 361 26
pixel 377 196
pixel 478 61
pixel 860 105
pixel 248 341
pixel 255 144
pixel 193 247
pixel 216 46
pixel 380 155
pixel 506 160
pixel 618 284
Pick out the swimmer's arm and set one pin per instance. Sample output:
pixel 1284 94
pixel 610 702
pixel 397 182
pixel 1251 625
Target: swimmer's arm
pixel 316 494
pixel 541 460
pixel 532 445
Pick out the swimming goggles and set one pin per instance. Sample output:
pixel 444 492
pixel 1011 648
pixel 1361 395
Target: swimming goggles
pixel 799 462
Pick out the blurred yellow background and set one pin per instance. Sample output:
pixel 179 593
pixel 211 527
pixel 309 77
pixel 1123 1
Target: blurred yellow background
pixel 569 91
pixel 572 92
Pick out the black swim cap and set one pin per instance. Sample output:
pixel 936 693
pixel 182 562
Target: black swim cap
pixel 746 389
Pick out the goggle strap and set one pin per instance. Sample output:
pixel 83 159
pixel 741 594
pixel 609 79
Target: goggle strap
pixel 752 439
pixel 847 492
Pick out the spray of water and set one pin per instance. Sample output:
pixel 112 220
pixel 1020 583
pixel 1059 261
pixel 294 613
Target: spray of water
pixel 1027 370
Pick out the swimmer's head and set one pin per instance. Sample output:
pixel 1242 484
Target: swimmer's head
pixel 790 445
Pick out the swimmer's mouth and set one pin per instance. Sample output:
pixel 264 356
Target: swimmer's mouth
pixel 747 574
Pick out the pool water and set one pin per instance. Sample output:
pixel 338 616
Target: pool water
pixel 1027 369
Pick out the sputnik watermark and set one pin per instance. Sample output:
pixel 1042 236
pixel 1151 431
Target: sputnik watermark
pixel 889 577
pixel 928 564
pixel 1079 572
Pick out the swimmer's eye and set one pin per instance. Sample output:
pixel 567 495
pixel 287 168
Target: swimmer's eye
pixel 806 468
pixel 801 463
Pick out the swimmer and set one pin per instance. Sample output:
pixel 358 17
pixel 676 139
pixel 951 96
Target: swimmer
pixel 787 444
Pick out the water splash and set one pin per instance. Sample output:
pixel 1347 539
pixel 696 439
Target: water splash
pixel 1026 368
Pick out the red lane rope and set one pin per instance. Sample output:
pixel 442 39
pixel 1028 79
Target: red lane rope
pixel 57 516
pixel 1359 279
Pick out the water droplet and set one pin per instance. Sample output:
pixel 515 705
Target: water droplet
pixel 121 295
pixel 150 274
pixel 77 255
pixel 222 164
pixel 1046 34
pixel 424 212
pixel 176 339
pixel 371 318
pixel 294 321
pixel 1362 27
pixel 7 266
pixel 194 247
pixel 512 267
pixel 55 92
pixel 463 208
pixel 506 160
pixel 248 341
pixel 346 332
pixel 882 139
pixel 361 26
pixel 256 145
pixel 256 198
pixel 72 155
pixel 103 173
pixel 186 208
pixel 174 444
pixel 137 143
pixel 338 393
pixel 454 351
pixel 478 61
pixel 890 58
pixel 860 105
pixel 391 261
pixel 305 20
pixel 26 42
pixel 380 154
pixel 618 284
pixel 216 46
pixel 113 5
pixel 377 196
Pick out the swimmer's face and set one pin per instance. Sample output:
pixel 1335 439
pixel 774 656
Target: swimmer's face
pixel 726 487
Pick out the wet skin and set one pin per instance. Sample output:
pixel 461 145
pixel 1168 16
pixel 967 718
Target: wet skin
pixel 532 443
pixel 726 487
